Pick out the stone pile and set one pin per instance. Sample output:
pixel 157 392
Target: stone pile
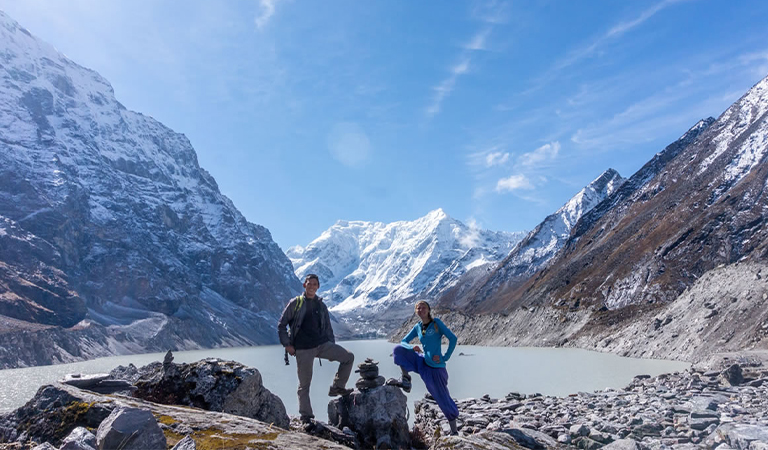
pixel 693 409
pixel 375 413
pixel 369 375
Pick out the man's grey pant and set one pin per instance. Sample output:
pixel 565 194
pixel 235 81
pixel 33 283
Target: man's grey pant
pixel 304 362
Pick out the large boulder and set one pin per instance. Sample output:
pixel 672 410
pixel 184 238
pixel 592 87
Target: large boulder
pixel 79 439
pixel 213 385
pixel 130 429
pixel 57 410
pixel 378 416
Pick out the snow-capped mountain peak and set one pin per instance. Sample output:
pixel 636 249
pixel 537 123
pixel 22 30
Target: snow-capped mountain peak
pixel 373 265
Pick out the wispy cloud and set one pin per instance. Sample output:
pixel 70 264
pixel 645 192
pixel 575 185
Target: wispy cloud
pixel 701 91
pixel 546 152
pixel 482 162
pixel 527 166
pixel 496 159
pixel 596 45
pixel 614 32
pixel 478 41
pixel 266 11
pixel 446 87
pixel 493 12
pixel 513 183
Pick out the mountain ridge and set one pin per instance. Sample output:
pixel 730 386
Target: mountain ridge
pixel 139 231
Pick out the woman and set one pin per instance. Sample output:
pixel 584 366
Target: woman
pixel 430 366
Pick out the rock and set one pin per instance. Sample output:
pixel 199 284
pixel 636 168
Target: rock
pixel 213 385
pixel 44 446
pixel 252 399
pixel 130 429
pixel 742 436
pixel 84 381
pixel 486 440
pixel 328 432
pixel 168 359
pixel 79 439
pixel 52 414
pixel 363 384
pixel 703 422
pixel 586 443
pixel 378 416
pixel 185 444
pixel 58 409
pixel 531 438
pixel 623 444
pixel 579 430
pixel 101 383
pixel 732 375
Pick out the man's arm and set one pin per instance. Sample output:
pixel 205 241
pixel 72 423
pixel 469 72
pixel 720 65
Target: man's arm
pixel 329 328
pixel 282 325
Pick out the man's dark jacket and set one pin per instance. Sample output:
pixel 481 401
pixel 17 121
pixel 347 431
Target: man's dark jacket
pixel 293 316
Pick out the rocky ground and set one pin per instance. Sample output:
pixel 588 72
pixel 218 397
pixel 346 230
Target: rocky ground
pixel 695 409
pixel 223 405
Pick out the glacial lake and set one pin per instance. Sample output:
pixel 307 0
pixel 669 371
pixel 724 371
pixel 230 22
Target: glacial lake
pixel 474 371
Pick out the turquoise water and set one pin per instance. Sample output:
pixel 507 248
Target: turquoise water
pixel 479 370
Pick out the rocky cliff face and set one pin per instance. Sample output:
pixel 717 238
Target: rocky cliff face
pixel 109 219
pixel 692 221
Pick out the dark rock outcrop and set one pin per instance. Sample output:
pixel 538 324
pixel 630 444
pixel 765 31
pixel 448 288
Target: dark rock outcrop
pixel 212 385
pixel 57 410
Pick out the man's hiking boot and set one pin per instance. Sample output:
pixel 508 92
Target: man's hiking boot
pixel 336 391
pixel 403 383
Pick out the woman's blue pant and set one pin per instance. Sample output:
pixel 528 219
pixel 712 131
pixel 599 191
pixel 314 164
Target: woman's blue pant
pixel 436 379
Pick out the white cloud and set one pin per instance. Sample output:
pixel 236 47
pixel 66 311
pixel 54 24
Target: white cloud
pixel 496 159
pixel 472 238
pixel 349 144
pixel 446 87
pixel 542 154
pixel 615 32
pixel 513 183
pixel 478 40
pixel 266 11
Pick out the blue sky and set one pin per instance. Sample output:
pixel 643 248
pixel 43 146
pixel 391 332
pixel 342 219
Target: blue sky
pixel 307 112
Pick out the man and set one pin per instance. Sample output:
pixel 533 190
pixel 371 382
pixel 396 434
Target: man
pixel 312 337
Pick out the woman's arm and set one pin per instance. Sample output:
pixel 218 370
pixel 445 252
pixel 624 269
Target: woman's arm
pixel 452 339
pixel 409 337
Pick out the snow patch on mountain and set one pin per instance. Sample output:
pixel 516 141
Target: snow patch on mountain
pixel 738 118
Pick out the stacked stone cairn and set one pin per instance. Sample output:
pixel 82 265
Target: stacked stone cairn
pixel 369 375
pixel 377 414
